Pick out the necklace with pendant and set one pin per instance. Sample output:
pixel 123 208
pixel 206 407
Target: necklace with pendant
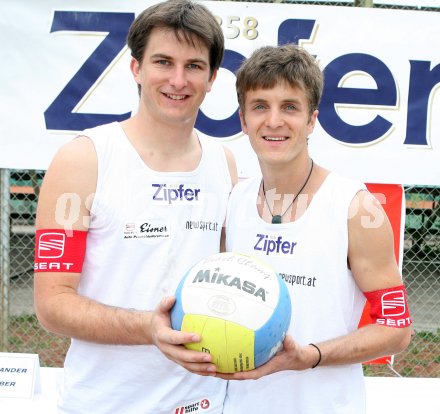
pixel 276 219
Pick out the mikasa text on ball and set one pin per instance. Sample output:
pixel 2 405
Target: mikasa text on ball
pixel 239 306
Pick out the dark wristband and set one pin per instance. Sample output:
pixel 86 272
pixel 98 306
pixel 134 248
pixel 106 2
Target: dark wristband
pixel 319 359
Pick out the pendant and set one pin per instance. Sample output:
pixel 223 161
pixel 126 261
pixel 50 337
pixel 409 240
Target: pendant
pixel 276 219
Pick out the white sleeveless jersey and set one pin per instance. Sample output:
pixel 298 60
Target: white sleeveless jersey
pixel 147 229
pixel 310 254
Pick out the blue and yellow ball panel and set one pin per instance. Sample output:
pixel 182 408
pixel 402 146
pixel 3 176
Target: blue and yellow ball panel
pixel 177 311
pixel 267 339
pixel 231 345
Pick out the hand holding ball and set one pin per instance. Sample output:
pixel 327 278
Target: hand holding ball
pixel 238 305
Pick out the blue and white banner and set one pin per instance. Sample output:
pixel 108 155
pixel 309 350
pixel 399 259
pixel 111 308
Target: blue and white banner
pixel 65 67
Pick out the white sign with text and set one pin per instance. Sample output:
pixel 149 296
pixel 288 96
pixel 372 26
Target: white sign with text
pixel 19 375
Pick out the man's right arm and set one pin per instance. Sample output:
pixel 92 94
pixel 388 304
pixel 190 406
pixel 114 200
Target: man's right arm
pixel 58 305
pixel 73 175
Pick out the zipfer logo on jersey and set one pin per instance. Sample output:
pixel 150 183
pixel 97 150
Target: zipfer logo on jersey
pixel 274 245
pixel 175 193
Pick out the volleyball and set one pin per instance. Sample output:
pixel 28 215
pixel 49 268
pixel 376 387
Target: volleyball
pixel 238 305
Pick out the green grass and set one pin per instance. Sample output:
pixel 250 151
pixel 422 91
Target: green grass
pixel 26 335
pixel 420 359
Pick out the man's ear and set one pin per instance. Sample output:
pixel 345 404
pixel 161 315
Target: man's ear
pixel 312 120
pixel 135 68
pixel 242 121
pixel 212 79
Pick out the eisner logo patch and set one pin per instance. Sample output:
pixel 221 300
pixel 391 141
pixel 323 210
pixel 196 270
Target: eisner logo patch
pixel 153 229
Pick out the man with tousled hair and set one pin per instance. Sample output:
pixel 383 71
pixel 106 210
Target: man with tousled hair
pixel 343 249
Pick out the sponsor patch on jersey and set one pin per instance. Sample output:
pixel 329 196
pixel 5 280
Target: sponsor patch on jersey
pixel 298 279
pixel 202 225
pixel 152 229
pixel 195 407
pixel 273 245
pixel 171 194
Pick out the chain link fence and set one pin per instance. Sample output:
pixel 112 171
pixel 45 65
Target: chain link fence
pixel 21 332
